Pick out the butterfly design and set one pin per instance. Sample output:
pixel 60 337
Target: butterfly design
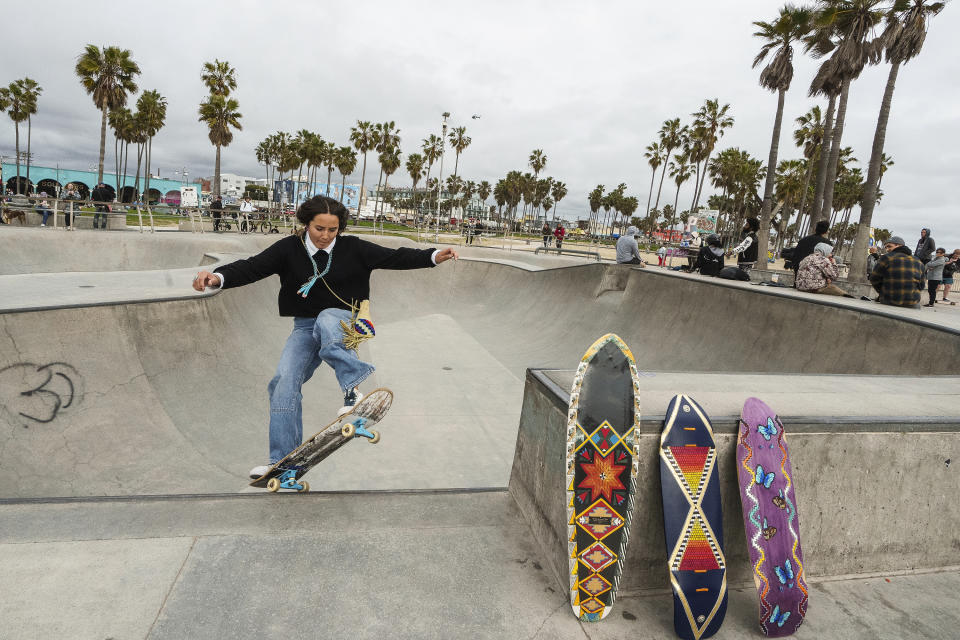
pixel 779 501
pixel 768 532
pixel 785 574
pixel 779 618
pixel 767 430
pixel 765 479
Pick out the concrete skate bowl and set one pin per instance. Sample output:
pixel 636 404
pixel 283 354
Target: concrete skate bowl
pixel 36 250
pixel 170 397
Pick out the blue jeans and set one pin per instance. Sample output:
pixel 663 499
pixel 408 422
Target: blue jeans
pixel 313 340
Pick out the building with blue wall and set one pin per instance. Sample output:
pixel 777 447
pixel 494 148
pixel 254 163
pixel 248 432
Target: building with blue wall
pixel 53 180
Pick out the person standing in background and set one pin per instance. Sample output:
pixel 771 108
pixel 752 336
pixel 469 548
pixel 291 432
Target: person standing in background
pixel 934 271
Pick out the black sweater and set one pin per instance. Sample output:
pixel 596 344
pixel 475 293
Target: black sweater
pixel 349 275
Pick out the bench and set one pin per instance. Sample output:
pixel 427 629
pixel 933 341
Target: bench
pixel 581 252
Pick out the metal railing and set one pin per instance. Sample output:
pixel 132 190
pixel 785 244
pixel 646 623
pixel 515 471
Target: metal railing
pixel 64 213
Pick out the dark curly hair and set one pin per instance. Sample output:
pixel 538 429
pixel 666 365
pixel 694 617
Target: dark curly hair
pixel 322 204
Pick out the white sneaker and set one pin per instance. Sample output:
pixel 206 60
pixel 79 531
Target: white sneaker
pixel 349 401
pixel 259 472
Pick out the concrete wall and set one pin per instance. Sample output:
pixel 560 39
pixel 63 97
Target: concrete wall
pixel 868 500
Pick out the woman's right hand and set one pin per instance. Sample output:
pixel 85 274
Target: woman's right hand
pixel 205 279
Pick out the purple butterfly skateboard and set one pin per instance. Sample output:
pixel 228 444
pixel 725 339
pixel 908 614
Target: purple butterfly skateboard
pixel 770 519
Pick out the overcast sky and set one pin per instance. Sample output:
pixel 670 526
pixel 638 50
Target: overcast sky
pixel 589 83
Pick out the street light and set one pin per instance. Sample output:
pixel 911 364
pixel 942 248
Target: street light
pixel 443 146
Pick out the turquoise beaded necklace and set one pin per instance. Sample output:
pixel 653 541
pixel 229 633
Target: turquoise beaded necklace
pixel 305 289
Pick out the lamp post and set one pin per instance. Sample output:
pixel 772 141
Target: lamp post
pixel 443 145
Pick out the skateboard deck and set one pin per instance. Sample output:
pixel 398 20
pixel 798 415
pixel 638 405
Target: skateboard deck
pixel 692 520
pixel 368 412
pixel 770 519
pixel 602 463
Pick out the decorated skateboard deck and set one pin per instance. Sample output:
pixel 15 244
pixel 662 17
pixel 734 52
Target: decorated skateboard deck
pixel 602 463
pixel 770 519
pixel 357 423
pixel 692 520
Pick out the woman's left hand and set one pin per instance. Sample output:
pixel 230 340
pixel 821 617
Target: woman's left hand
pixel 446 254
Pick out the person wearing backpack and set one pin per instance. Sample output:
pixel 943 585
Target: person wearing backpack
pixel 949 269
pixel 710 258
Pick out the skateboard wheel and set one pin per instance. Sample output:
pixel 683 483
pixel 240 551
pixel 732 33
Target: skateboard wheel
pixel 273 484
pixel 348 430
pixel 376 437
pixel 304 488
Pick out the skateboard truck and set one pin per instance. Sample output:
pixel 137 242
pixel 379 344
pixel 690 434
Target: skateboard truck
pixel 287 480
pixel 357 429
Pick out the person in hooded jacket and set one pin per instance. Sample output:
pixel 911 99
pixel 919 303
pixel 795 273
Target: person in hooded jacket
pixel 934 272
pixel 628 251
pixel 925 247
pixel 710 258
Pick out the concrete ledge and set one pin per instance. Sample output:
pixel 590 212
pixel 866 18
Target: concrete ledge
pixel 786 278
pixel 870 499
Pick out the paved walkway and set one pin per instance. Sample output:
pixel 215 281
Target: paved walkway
pixel 382 565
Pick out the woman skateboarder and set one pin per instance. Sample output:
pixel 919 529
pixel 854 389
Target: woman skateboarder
pixel 323 277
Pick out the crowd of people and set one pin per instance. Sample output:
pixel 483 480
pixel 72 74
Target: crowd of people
pixel 898 275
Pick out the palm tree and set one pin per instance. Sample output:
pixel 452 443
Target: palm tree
pixel 265 155
pixel 18 108
pixel 108 76
pixel 808 136
pixel 559 193
pixel 459 140
pixel 219 77
pixel 484 189
pixel 152 109
pixel 386 140
pixel 595 198
pixel 346 162
pixel 680 171
pixel 655 157
pixel 415 162
pixel 119 120
pixel 31 92
pixel 843 27
pixel 220 115
pixel 537 162
pixel 362 137
pixel 672 136
pixel 432 150
pixel 709 124
pixel 389 161
pixel 903 39
pixel 778 40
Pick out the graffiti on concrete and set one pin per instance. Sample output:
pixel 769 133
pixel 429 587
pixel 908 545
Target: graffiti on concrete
pixel 32 394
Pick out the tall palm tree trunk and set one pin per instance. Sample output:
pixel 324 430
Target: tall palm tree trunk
pixel 117 159
pixel 831 177
pixel 103 144
pixel 763 237
pixel 216 173
pixel 363 178
pixel 858 264
pixel 16 127
pixel 29 130
pixel 379 197
pixel 662 174
pixel 816 207
pixel 126 160
pixel 703 177
pixel 653 176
